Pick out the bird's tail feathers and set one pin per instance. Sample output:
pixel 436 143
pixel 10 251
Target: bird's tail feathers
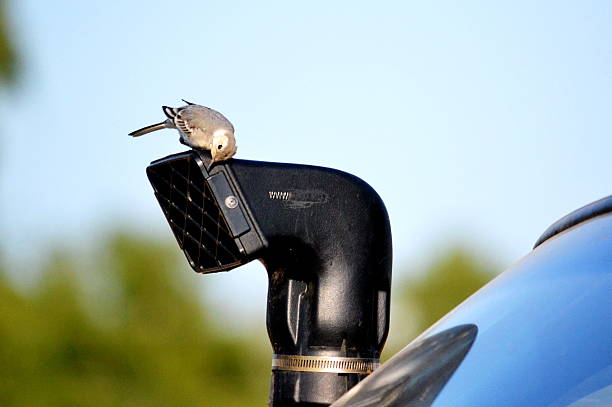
pixel 149 129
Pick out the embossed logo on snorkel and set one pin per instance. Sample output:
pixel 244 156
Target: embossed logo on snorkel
pixel 298 198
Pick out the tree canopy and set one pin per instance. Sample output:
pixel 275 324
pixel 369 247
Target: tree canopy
pixel 127 328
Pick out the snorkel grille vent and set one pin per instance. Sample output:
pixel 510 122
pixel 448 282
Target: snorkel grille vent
pixel 193 214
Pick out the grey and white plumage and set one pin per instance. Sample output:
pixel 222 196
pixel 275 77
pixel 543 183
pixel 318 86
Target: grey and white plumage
pixel 199 127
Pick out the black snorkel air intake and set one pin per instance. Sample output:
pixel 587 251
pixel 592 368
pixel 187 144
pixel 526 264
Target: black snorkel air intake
pixel 325 240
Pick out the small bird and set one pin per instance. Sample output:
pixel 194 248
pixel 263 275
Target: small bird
pixel 200 127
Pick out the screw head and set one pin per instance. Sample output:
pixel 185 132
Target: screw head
pixel 231 202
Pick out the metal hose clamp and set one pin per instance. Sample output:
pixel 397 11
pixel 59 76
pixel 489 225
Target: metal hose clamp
pixel 328 364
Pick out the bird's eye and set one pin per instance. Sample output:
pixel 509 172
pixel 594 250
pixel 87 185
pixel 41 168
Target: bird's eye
pixel 219 147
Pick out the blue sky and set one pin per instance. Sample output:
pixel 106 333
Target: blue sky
pixel 475 121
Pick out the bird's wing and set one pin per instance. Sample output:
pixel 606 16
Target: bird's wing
pixel 182 117
pixel 182 124
pixel 192 117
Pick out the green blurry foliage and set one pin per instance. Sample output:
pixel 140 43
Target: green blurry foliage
pixel 128 328
pixel 448 280
pixel 155 346
pixel 8 55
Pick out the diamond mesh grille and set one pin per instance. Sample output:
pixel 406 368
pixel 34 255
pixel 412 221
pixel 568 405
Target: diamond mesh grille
pixel 193 214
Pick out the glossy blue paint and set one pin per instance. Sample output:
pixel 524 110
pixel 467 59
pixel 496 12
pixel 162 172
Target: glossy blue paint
pixel 545 327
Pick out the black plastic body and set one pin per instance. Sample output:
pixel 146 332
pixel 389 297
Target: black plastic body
pixel 325 240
